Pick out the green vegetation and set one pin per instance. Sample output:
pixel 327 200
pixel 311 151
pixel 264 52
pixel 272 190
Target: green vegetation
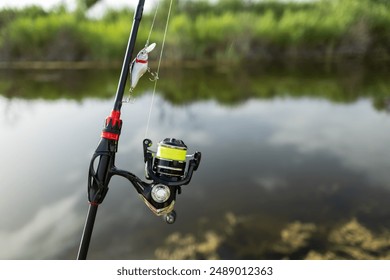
pixel 229 30
pixel 184 86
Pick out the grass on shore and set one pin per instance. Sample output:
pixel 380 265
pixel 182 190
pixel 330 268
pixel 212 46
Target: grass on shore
pixel 229 30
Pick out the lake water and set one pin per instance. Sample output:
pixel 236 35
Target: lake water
pixel 285 153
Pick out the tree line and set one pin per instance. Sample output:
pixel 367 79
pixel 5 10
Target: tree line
pixel 226 30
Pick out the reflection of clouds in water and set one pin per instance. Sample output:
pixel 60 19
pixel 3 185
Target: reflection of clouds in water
pixel 14 111
pixel 50 231
pixel 47 154
pixel 270 182
pixel 355 133
pixel 254 135
pixel 167 120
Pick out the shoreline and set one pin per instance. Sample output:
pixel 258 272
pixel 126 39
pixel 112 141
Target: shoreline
pixel 199 63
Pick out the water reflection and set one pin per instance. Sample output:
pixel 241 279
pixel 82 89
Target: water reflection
pixel 277 159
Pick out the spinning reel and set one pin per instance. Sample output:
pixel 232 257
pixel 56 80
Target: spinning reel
pixel 167 169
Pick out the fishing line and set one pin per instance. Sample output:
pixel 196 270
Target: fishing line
pixel 158 67
pixel 152 26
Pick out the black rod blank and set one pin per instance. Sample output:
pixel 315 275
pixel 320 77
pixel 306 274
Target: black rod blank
pixel 106 165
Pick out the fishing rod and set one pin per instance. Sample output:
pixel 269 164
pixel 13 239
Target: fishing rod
pixel 165 170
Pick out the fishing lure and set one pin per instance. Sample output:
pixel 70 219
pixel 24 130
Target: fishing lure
pixel 139 66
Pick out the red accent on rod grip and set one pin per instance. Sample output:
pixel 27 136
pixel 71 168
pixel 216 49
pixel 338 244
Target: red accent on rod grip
pixel 112 120
pixel 110 136
pixel 115 118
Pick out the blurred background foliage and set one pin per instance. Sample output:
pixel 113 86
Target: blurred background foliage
pixel 224 30
pixel 339 86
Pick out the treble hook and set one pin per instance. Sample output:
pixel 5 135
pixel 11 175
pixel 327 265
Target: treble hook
pixel 154 75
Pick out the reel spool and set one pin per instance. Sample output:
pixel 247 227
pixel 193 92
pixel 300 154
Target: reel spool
pixel 170 159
